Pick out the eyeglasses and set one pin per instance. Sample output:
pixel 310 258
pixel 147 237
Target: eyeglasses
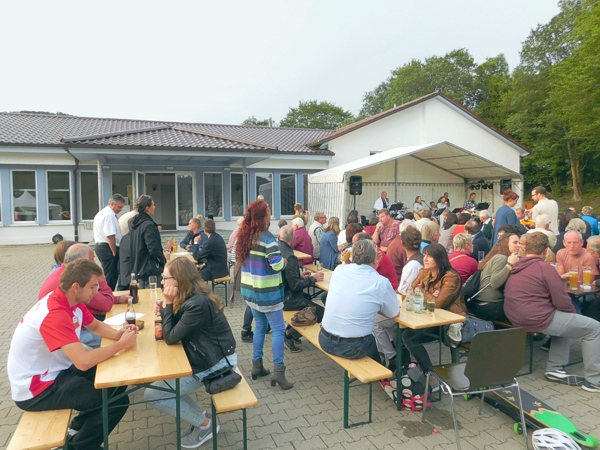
pixel 168 278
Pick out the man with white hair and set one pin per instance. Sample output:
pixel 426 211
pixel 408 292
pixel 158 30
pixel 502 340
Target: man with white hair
pixel 486 224
pixel 574 257
pixel 316 232
pixel 586 214
pixel 430 233
pixel 542 225
pixel 302 241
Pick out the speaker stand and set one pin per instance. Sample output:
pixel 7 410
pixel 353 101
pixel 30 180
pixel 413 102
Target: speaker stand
pixel 354 202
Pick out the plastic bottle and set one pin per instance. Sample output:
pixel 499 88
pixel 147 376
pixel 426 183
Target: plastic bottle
pixel 130 313
pixel 409 299
pixel 418 300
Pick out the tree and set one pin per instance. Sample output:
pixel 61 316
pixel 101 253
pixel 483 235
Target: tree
pixel 254 122
pixel 313 114
pixel 492 83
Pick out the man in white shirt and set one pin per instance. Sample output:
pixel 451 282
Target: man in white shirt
pixel 316 232
pixel 107 235
pixel 356 294
pixel 381 202
pixel 545 206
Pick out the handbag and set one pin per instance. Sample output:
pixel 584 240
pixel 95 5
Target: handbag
pixel 305 317
pixel 472 326
pixel 224 378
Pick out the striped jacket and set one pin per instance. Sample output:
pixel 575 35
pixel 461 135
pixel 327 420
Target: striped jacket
pixel 262 285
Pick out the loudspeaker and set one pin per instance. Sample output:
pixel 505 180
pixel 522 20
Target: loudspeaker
pixel 504 185
pixel 356 185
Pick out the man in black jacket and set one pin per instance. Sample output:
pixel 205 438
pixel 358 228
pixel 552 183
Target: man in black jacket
pixel 214 251
pixel 195 227
pixel 293 286
pixel 480 243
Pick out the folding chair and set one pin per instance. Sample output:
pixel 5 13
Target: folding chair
pixel 494 361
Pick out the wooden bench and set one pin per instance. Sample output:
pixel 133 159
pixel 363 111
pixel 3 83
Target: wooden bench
pixel 239 397
pixel 364 369
pixel 41 430
pixel 223 281
pixel 500 324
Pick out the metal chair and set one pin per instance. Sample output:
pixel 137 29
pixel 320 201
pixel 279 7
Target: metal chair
pixel 494 361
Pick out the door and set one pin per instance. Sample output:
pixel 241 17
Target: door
pixel 140 184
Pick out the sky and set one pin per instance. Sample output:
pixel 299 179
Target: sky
pixel 224 61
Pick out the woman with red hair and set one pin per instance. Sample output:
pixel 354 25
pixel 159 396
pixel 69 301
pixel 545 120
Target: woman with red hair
pixel 505 215
pixel 262 287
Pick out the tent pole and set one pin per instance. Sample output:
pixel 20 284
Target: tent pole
pixel 396 181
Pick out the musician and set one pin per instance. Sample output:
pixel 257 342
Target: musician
pixel 419 205
pixel 471 204
pixel 382 202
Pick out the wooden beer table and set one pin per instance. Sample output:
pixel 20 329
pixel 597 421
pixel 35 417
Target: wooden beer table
pixel 149 361
pixel 414 321
pixel 301 255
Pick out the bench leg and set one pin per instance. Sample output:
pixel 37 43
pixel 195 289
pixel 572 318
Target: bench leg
pixel 105 416
pixel 226 296
pixel 178 412
pixel 214 425
pixel 244 428
pixel 347 402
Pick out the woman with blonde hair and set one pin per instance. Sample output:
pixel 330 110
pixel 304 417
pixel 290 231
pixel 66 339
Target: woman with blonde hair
pixel 329 247
pixel 299 212
pixel 194 316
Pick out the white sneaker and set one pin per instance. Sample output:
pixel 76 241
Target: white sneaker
pixel 198 437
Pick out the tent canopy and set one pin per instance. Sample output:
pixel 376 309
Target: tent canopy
pixel 443 155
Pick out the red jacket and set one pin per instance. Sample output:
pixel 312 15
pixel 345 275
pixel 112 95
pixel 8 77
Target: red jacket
pixel 303 243
pixel 533 292
pixel 386 269
pixel 465 265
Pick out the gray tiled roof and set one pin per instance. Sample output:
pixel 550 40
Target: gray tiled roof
pixel 49 130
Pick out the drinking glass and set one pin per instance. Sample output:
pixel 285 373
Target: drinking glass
pixel 318 265
pixel 480 255
pixel 573 278
pixel 431 307
pixel 152 281
pixel 587 277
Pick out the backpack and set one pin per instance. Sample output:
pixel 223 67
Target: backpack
pixel 470 289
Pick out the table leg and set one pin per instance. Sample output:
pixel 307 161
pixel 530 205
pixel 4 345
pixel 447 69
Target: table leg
pixel 105 417
pixel 178 412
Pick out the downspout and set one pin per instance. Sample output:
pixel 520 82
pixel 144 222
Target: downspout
pixel 75 212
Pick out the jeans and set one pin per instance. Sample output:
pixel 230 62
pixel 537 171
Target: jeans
pixel 351 350
pixel 75 389
pixel 275 319
pixel 247 323
pixel 190 410
pixel 90 339
pixel 414 340
pixel 567 326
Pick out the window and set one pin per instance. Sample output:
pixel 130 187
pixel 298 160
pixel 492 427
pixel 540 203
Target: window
pixel 185 199
pixel 264 187
pixel 213 194
pixel 89 195
pixel 122 183
pixel 59 196
pixel 288 193
pixel 24 196
pixel 237 194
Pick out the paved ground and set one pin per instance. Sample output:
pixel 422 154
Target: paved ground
pixel 310 415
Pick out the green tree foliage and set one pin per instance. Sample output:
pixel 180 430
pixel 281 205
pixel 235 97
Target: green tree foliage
pixel 254 122
pixel 313 114
pixel 45 112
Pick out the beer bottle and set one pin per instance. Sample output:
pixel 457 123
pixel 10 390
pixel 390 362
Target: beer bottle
pixel 158 327
pixel 130 313
pixel 133 288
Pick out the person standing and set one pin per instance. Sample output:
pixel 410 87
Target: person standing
pixel 107 235
pixel 387 229
pixel 147 257
pixel 505 215
pixel 48 366
pixel 544 206
pixel 316 233
pixel 382 202
pixel 262 288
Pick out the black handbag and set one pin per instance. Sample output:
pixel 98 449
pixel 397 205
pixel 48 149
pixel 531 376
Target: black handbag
pixel 222 379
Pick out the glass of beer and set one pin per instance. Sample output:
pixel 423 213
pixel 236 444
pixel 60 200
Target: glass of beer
pixel 587 277
pixel 573 278
pixel 431 307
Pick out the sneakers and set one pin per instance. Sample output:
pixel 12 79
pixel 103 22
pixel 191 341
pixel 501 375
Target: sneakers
pixel 590 387
pixel 247 336
pixel 291 346
pixel 546 345
pixel 560 376
pixel 198 436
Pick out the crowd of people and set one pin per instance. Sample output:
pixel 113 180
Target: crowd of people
pixel 56 346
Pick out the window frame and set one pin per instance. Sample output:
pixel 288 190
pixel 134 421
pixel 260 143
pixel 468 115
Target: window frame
pixel 80 199
pixel 57 221
pixel 256 193
pixel 12 198
pixel 282 215
pixel 215 216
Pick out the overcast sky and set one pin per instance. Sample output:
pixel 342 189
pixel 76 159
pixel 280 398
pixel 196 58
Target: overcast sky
pixel 223 61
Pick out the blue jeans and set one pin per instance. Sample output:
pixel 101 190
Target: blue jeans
pixel 90 339
pixel 275 319
pixel 351 350
pixel 190 410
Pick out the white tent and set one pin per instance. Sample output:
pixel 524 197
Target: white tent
pixel 27 207
pixel 426 170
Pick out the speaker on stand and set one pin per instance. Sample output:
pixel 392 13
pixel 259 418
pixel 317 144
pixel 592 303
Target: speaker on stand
pixel 355 187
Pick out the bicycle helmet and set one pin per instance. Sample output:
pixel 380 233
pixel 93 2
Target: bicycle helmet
pixel 552 439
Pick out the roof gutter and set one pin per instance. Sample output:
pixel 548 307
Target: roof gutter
pixel 75 212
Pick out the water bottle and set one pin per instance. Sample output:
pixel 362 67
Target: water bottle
pixel 418 300
pixel 409 299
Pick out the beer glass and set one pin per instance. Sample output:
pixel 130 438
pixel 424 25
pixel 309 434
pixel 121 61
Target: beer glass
pixel 152 281
pixel 587 277
pixel 573 278
pixel 431 307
